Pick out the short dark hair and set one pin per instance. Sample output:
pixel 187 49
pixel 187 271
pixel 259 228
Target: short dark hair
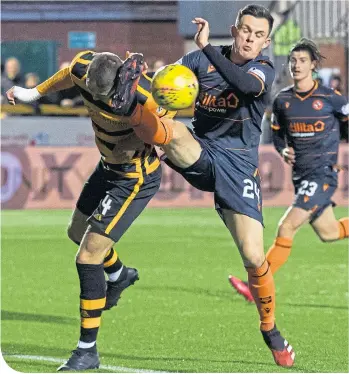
pixel 257 11
pixel 308 45
pixel 102 72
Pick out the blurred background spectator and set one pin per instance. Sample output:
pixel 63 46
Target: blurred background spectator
pixel 13 71
pixel 6 83
pixel 158 64
pixel 336 83
pixel 10 75
pixel 31 80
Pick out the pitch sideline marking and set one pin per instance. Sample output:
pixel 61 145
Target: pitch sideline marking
pixel 103 367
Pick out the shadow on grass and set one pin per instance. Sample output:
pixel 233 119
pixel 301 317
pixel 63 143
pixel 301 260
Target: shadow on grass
pixel 321 306
pixel 231 295
pixel 33 317
pixel 30 349
pixel 193 290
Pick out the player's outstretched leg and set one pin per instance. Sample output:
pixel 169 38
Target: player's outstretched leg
pixel 241 287
pixel 126 83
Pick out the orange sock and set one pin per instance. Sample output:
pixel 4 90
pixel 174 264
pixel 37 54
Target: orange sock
pixel 278 253
pixel 261 284
pixel 150 128
pixel 343 228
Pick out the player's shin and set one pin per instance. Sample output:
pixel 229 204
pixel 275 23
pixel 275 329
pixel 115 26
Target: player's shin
pixel 278 253
pixel 261 284
pixel 92 302
pixel 343 224
pixel 150 128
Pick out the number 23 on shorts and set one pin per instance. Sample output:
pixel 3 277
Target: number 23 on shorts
pixel 307 188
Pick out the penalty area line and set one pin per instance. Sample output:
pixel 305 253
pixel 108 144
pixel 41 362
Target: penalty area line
pixel 60 361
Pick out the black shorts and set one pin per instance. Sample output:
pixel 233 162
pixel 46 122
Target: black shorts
pixel 314 192
pixel 113 200
pixel 234 181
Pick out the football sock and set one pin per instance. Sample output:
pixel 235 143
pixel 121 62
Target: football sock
pixel 261 284
pixel 112 265
pixel 92 302
pixel 343 228
pixel 150 128
pixel 273 339
pixel 278 253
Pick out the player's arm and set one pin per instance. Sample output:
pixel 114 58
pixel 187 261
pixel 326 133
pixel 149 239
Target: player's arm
pixel 279 136
pixel 254 82
pixel 341 111
pixel 59 81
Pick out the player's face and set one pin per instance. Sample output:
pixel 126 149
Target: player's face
pixel 250 37
pixel 301 66
pixel 100 97
pixel 105 98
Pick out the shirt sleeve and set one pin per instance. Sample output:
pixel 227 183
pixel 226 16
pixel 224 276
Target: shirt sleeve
pixel 191 60
pixel 59 81
pixel 340 106
pixel 278 130
pixel 256 81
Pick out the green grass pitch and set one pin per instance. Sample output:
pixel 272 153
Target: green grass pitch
pixel 182 316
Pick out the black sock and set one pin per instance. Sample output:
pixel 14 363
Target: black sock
pixel 92 302
pixel 273 339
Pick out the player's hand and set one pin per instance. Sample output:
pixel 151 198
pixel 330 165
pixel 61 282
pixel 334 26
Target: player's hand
pixel 129 54
pixel 11 96
pixel 289 155
pixel 203 32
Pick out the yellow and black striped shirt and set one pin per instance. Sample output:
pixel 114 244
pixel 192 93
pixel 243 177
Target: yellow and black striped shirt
pixel 118 144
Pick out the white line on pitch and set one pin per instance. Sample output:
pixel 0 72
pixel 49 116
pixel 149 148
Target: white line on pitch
pixel 103 367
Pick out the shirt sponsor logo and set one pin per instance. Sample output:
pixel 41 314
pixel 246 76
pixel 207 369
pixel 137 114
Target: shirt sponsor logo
pixel 218 104
pixel 302 129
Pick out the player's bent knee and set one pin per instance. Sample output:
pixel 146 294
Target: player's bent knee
pixel 253 260
pixel 93 247
pixel 73 235
pixel 286 229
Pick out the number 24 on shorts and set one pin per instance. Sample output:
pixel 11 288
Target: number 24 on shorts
pixel 251 190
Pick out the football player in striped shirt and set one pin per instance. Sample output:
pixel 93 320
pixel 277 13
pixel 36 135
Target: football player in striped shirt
pixel 124 181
